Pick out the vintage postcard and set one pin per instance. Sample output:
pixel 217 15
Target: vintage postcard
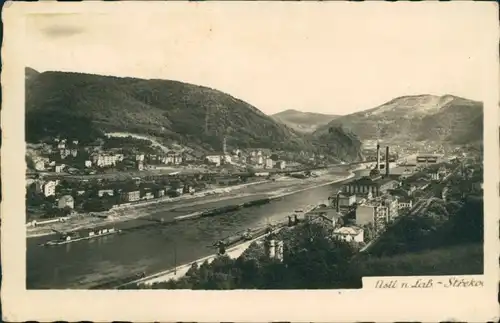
pixel 250 161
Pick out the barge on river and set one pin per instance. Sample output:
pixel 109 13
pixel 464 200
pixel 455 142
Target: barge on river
pixel 66 238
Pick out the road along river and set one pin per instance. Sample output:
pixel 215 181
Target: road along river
pixel 84 264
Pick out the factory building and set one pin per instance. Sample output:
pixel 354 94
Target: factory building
pixel 376 184
pixel 427 159
pixel 343 201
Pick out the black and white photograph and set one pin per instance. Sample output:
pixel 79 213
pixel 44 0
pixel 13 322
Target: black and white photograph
pixel 243 148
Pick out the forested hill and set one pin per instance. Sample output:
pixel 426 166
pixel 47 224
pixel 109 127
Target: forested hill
pixel 305 122
pixel 85 105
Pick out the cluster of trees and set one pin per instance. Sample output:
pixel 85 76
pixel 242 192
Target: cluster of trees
pixel 312 259
pixel 456 221
pixel 128 142
pixel 51 123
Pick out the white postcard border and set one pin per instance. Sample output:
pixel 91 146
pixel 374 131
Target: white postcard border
pixel 467 304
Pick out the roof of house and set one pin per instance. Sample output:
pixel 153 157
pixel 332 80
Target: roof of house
pixel 350 230
pixel 346 195
pixel 370 181
pixel 326 209
pixel 215 154
pixel 404 199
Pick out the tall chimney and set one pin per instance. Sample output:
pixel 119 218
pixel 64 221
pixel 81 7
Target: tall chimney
pixel 338 202
pixel 387 161
pixel 224 146
pixel 378 156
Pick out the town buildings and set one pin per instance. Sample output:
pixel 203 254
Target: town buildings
pixel 281 164
pixel 269 163
pixel 65 153
pixel 160 193
pixel 405 203
pixel 105 160
pixel 131 196
pixel 48 189
pixel 66 201
pixel 172 158
pixel 376 185
pixel 349 234
pixel 378 212
pixel 439 174
pixel 324 213
pixel 214 159
pixel 226 158
pixel 40 165
pixel 274 249
pixel 101 193
pixel 343 201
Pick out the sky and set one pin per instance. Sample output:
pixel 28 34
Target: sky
pixel 333 58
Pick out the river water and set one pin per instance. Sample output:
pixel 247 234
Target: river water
pixel 83 264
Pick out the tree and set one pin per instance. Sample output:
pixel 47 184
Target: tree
pixel 173 193
pixel 369 232
pixel 250 170
pixel 66 211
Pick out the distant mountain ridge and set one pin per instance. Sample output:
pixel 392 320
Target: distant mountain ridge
pixel 305 122
pixel 77 105
pixel 444 118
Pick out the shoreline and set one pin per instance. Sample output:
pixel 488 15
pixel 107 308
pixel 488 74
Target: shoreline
pixel 180 271
pixel 235 251
pixel 140 211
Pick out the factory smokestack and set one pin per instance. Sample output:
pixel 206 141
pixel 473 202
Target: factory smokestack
pixel 378 156
pixel 338 202
pixel 387 161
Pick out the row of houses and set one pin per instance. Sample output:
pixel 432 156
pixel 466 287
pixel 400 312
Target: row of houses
pixel 256 160
pixel 330 215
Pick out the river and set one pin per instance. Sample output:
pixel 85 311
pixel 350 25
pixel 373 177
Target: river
pixel 83 264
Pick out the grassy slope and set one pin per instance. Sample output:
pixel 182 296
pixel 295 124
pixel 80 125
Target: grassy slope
pixel 465 259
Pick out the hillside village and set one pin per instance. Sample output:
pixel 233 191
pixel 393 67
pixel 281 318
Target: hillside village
pixel 65 176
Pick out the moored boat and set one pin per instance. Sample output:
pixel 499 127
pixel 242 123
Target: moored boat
pixel 66 238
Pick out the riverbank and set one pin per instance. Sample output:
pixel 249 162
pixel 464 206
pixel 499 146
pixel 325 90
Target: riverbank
pixel 180 271
pixel 154 247
pixel 233 252
pixel 259 190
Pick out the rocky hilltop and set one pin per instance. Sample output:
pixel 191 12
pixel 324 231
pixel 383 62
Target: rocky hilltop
pixel 445 118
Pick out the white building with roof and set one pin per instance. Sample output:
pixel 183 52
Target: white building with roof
pixel 66 201
pixel 49 188
pixel 214 159
pixel 269 163
pixel 349 234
